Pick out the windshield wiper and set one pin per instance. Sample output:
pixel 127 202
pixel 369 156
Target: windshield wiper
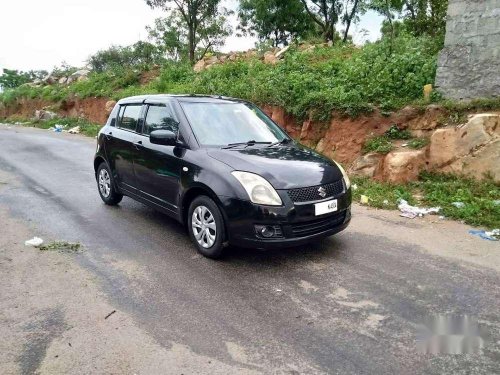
pixel 282 142
pixel 249 143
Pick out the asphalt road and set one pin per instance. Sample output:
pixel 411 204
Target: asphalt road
pixel 349 304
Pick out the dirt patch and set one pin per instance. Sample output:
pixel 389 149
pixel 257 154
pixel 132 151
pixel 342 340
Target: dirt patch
pixel 53 320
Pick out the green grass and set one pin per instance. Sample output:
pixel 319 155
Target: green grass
pixel 418 143
pixel 381 144
pixel 343 78
pixel 480 198
pixel 86 127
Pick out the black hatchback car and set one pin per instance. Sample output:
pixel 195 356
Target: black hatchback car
pixel 223 168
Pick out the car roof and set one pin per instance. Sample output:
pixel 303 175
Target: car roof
pixel 160 98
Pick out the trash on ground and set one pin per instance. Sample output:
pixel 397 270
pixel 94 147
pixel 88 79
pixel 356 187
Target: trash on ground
pixel 458 204
pixel 355 187
pixel 61 246
pixel 35 242
pixel 385 202
pixel 111 313
pixel 412 212
pixel 75 130
pixel 442 217
pixel 364 199
pixel 58 128
pixel 493 235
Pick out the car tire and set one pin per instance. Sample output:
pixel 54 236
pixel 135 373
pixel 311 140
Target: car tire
pixel 106 186
pixel 206 227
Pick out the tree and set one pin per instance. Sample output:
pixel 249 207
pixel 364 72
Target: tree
pixel 203 23
pixel 352 10
pixel 277 20
pixel 12 78
pixel 325 13
pixel 140 54
pixel 167 34
pixel 425 16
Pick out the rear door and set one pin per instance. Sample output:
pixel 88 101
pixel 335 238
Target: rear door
pixel 158 167
pixel 121 145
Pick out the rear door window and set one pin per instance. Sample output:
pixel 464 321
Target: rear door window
pixel 129 117
pixel 160 118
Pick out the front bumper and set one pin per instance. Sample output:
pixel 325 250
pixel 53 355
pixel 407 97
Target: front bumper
pixel 297 220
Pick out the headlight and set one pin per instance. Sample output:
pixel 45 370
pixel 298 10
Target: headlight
pixel 258 189
pixel 344 174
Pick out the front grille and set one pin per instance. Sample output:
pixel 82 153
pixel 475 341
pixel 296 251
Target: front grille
pixel 317 226
pixel 312 193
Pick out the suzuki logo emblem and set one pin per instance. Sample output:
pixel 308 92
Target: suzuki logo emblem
pixel 322 192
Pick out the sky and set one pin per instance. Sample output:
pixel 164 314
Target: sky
pixel 37 34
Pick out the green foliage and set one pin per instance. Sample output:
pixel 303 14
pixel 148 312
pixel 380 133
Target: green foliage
pixel 86 127
pixel 381 195
pixel 381 144
pixel 199 25
pixel 480 198
pixel 12 78
pixel 343 78
pixel 140 55
pixel 275 21
pixel 395 133
pixel 418 143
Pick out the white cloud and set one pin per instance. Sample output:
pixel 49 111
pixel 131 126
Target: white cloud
pixel 38 34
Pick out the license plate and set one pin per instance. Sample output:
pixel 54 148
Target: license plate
pixel 325 207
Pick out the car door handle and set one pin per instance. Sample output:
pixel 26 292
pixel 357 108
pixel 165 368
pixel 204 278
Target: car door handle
pixel 138 145
pixel 109 135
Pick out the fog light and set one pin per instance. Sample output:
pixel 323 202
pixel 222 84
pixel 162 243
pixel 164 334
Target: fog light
pixel 267 232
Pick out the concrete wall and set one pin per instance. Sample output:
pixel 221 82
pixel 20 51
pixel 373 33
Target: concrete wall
pixel 469 64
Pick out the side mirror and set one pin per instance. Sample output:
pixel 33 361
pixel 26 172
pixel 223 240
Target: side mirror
pixel 163 137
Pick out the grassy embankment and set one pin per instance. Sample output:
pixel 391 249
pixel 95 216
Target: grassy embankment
pixel 345 79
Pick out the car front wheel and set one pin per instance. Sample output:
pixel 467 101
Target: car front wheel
pixel 206 227
pixel 106 186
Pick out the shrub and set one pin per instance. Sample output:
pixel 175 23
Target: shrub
pixel 381 145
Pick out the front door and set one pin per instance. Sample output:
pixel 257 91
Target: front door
pixel 157 167
pixel 120 146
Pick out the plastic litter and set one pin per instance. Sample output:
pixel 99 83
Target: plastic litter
pixel 412 212
pixel 493 235
pixel 458 204
pixel 385 202
pixel 35 242
pixel 355 187
pixel 364 199
pixel 58 128
pixel 75 130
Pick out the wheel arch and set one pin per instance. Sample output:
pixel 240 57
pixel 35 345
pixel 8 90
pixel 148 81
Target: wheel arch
pixel 97 162
pixel 195 191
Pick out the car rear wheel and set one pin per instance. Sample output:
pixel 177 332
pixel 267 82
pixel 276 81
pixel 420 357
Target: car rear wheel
pixel 206 227
pixel 106 186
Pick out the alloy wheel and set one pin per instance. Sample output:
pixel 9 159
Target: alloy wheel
pixel 104 183
pixel 204 227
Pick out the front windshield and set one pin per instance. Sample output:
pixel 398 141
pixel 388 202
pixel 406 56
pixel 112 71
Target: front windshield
pixel 221 124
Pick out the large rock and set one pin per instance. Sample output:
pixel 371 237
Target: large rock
pixel 199 66
pixel 403 166
pixel 80 73
pixel 484 162
pixel 450 144
pixel 109 106
pixel 44 115
pixel 270 58
pixel 367 165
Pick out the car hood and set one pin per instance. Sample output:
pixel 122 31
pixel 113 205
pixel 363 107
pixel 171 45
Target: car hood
pixel 285 167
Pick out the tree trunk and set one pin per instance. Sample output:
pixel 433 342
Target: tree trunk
pixel 191 45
